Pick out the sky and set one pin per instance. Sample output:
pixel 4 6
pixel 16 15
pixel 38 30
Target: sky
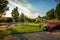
pixel 31 8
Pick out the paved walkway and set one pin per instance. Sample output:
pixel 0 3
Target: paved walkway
pixel 37 36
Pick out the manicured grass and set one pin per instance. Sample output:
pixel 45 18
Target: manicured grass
pixel 27 28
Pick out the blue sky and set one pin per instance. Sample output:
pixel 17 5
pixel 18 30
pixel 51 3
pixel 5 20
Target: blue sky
pixel 31 8
pixel 42 5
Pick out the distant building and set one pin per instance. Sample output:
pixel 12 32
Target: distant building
pixel 39 19
pixel 4 19
pixel 2 15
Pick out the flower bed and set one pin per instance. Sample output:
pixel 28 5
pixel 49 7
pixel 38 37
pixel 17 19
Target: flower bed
pixel 49 26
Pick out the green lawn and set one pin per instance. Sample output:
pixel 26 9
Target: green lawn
pixel 27 28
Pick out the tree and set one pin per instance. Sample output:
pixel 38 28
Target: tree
pixel 9 20
pixel 57 11
pixel 22 17
pixel 3 6
pixel 15 14
pixel 50 14
pixel 39 16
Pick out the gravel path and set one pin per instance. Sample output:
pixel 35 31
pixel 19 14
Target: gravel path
pixel 37 36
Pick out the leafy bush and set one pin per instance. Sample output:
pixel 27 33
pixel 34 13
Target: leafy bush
pixel 4 33
pixel 13 31
pixel 44 27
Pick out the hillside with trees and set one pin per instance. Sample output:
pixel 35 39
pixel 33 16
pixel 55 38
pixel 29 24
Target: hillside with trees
pixel 54 13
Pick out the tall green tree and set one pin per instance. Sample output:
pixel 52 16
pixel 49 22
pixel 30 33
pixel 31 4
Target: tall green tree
pixel 50 14
pixel 3 6
pixel 15 14
pixel 57 11
pixel 22 17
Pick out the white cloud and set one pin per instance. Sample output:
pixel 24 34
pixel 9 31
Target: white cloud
pixel 34 14
pixel 23 6
pixel 23 3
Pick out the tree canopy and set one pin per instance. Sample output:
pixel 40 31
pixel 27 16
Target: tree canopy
pixel 3 6
pixel 50 14
pixel 22 17
pixel 15 14
pixel 54 13
pixel 57 11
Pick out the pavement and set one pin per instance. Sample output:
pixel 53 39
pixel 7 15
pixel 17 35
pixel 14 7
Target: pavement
pixel 37 36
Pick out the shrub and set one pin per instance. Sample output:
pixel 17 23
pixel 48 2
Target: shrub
pixel 44 27
pixel 4 33
pixel 13 31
